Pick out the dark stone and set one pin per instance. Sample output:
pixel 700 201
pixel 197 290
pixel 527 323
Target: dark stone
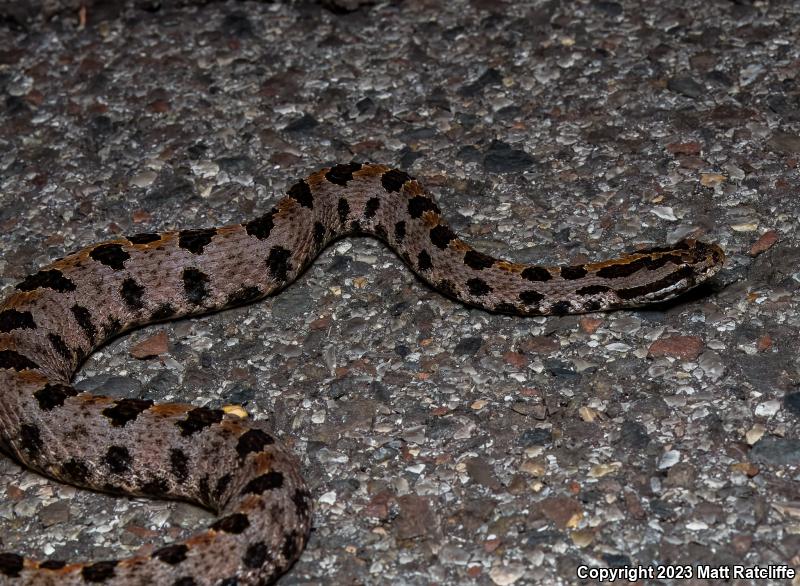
pixel 490 77
pixel 779 451
pixel 502 158
pixel 535 437
pixel 468 346
pixel 633 435
pixel 686 86
pixel 791 403
pixel 303 123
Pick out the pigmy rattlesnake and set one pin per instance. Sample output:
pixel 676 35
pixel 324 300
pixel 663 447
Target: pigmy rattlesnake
pixel 57 316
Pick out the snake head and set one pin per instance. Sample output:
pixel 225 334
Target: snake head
pixel 705 259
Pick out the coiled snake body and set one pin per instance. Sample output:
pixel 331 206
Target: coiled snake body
pixel 57 316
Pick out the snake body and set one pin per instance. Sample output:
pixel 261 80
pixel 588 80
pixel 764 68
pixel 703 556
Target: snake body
pixel 234 467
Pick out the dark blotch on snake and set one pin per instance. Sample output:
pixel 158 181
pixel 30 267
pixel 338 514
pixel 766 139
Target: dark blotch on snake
pixel 244 295
pixel 126 410
pixel 60 346
pixel 195 285
pixel 371 208
pixel 99 572
pixel 255 555
pixel 75 470
pixel 172 554
pixel 278 263
pixel 11 564
pixel 222 484
pixel 573 272
pixel 536 274
pixel 478 287
pixel 394 179
pixel 319 234
pixel 235 524
pixel 477 260
pixel 420 204
pixel 441 236
pixel 31 439
pixel 301 193
pixel 560 308
pixel 16 361
pixel 380 232
pixel 48 279
pixel 118 459
pixel 84 318
pixel 51 395
pixel 269 481
pixel 132 294
pixel 530 297
pixel 424 262
pixel 506 307
pixel 447 287
pixel 592 290
pixel 341 174
pixel 196 240
pixel 253 440
pixel 399 231
pixel 261 226
pixel 155 487
pixel 12 319
pixel 198 419
pixel 343 210
pixel 52 564
pixel 179 464
pixel 111 255
pixel 163 311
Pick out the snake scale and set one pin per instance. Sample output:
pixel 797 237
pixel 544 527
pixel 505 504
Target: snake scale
pixel 54 318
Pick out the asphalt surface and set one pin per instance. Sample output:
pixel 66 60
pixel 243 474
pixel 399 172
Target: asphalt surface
pixel 442 444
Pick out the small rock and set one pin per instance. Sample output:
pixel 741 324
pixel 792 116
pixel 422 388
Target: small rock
pixel 582 537
pixel 686 86
pixel 768 408
pixel 683 347
pixel 415 518
pixel 143 179
pixel 754 434
pixel 57 512
pixel 481 472
pixel 711 179
pixel 684 148
pixel 589 325
pixel 669 459
pixel 502 158
pixel 764 343
pixel 302 124
pixel 515 359
pixel 664 212
pixel 565 512
pixel 791 403
pixel 504 575
pixel 784 142
pixel 468 346
pixel 765 242
pixel 535 437
pixel 155 345
pixel 776 450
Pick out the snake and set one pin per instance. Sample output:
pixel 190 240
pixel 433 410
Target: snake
pixel 229 464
